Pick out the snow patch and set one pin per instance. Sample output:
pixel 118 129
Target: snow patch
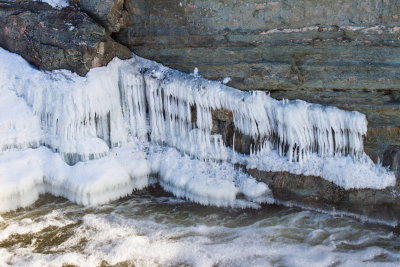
pixel 59 4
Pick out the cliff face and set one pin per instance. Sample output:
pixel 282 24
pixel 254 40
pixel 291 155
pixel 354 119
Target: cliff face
pixel 344 53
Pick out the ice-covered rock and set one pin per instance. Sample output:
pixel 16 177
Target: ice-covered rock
pixel 115 124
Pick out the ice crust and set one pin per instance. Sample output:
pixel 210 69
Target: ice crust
pixel 28 173
pixel 96 138
pixel 59 4
pixel 210 183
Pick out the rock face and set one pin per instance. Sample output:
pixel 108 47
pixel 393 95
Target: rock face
pixel 344 53
pixel 56 39
pixel 110 13
pixel 317 193
pixel 391 158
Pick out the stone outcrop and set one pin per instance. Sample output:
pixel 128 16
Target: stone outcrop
pixel 110 13
pixel 317 193
pixel 344 53
pixel 50 38
pixel 391 158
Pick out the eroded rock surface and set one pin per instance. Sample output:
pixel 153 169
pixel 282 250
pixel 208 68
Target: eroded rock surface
pixel 50 38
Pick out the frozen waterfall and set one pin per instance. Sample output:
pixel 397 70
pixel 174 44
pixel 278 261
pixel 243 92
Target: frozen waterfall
pixel 96 138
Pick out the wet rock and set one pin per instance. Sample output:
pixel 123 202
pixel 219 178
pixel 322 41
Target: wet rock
pixel 110 13
pixel 50 38
pixel 316 193
pixel 391 159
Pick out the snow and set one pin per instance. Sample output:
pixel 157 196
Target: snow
pixel 107 132
pixel 226 80
pixel 59 4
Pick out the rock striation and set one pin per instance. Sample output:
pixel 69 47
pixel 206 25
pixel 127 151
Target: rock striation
pixel 50 38
pixel 343 53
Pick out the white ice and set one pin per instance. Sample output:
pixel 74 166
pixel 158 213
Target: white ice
pixel 104 133
pixel 208 182
pixel 226 80
pixel 26 174
pixel 19 128
pixel 59 4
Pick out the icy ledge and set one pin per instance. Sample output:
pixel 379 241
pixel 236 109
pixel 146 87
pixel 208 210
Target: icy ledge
pixel 95 139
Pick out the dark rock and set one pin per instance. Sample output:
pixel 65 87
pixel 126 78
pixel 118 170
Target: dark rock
pixel 317 193
pixel 391 159
pixel 111 13
pixel 56 39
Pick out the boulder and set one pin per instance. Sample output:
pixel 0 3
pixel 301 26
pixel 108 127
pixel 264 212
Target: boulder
pixel 52 38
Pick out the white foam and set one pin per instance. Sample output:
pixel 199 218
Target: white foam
pixel 160 236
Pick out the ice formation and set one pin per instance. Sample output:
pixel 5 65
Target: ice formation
pixel 96 138
pixel 59 4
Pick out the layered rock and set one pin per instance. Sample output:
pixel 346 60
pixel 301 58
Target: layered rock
pixel 316 193
pixel 52 38
pixel 343 53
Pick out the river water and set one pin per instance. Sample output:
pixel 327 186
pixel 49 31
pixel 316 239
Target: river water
pixel 153 228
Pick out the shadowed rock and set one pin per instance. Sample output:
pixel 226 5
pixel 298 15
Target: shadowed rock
pixel 391 159
pixel 51 39
pixel 110 13
pixel 317 193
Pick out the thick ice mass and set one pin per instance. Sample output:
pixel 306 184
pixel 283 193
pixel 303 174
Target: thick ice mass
pixel 210 183
pixel 96 138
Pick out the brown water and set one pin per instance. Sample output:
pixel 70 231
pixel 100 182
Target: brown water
pixel 151 228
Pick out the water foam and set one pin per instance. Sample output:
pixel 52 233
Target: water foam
pixel 147 231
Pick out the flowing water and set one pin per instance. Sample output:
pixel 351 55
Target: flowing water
pixel 153 228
